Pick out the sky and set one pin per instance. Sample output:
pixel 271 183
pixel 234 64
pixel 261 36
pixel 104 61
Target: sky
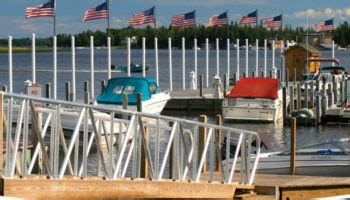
pixel 69 13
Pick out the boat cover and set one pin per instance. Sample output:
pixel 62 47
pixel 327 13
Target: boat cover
pixel 255 88
pixel 116 87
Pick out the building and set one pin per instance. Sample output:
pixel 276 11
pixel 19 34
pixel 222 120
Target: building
pixel 318 39
pixel 295 58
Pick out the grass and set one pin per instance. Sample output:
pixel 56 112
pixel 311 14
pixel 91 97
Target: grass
pixel 28 50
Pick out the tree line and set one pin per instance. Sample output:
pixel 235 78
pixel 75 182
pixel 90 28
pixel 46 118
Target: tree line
pixel 233 31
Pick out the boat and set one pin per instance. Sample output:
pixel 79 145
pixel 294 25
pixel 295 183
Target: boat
pixel 327 46
pixel 329 158
pixel 133 68
pixel 254 99
pixel 153 100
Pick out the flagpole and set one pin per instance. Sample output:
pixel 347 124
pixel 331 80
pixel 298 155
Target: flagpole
pixel 257 23
pixel 195 23
pixel 155 16
pixel 228 25
pixel 108 20
pixel 54 21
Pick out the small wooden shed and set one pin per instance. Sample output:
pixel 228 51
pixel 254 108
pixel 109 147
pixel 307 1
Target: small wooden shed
pixel 295 57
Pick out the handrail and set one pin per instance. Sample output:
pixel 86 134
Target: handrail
pixel 162 143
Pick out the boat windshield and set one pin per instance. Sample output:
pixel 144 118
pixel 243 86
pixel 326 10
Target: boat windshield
pixel 119 89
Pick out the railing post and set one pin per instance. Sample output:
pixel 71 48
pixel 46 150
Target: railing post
pixel 218 121
pixel 202 139
pixel 293 137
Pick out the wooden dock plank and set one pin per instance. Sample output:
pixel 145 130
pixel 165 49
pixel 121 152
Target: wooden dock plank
pixel 125 188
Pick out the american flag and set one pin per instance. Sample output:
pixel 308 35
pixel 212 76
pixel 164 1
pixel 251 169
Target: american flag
pixel 43 10
pixel 184 20
pixel 218 20
pixel 327 25
pixel 272 22
pixel 98 12
pixel 251 18
pixel 144 17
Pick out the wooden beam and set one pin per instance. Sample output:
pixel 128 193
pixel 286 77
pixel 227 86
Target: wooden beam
pixel 293 145
pixel 122 188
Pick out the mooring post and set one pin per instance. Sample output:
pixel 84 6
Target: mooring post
pixel 284 93
pixel 346 87
pixel 298 96
pixel 156 59
pixel 291 98
pixel 318 103
pixel 238 60
pixel 287 78
pixel 4 88
pixel 293 145
pixel 200 85
pixel 234 78
pixel 170 65
pixel 330 94
pixel 341 95
pixel 183 63
pixel 202 139
pixel 86 86
pixel 207 61
pixel 67 90
pixel 306 95
pixel 217 57
pixel 271 73
pixel 253 73
pixel 225 84
pixel 294 76
pixel 335 90
pixel 48 90
pixel 1 132
pixel 218 121
pixel 312 94
pixel 324 98
pixel 244 75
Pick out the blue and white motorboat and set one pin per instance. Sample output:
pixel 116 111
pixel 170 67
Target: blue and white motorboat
pixel 153 100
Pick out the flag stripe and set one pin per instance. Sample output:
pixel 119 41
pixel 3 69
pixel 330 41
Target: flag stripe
pixel 98 12
pixel 43 10
pixel 145 17
pixel 184 20
pixel 251 18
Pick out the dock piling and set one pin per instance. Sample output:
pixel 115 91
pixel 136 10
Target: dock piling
pixel 217 57
pixel 291 98
pixel 202 139
pixel 200 85
pixel 183 41
pixel 330 94
pixel 298 96
pixel 318 103
pixel 284 93
pixel 4 88
pixel 312 94
pixel 306 95
pixel 218 121
pixel 335 90
pixel 67 90
pixel 293 139
pixel 103 85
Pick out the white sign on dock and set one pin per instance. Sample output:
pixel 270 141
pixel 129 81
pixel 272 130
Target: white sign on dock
pixel 34 90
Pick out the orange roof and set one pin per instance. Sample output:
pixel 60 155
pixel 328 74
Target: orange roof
pixel 255 88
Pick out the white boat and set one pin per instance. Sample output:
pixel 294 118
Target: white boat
pixel 329 158
pixel 153 100
pixel 254 99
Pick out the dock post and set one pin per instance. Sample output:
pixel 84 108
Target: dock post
pixel 156 59
pixel 202 139
pixel 271 74
pixel 33 60
pixel 284 93
pixel 312 94
pixel 306 95
pixel 183 41
pixel 207 61
pixel 324 98
pixel 253 73
pixel 201 86
pixel 294 76
pixel 234 78
pixel 67 90
pixel 291 98
pixel 298 97
pixel 238 60
pixel 48 90
pixel 228 57
pixel 226 81
pixel 318 103
pixel 143 56
pixel 244 75
pixel 265 57
pixel 286 78
pixel 1 132
pixel 293 145
pixel 257 57
pixel 341 95
pixel 330 94
pixel 128 56
pixel 335 90
pixel 218 121
pixel 346 87
pixel 246 56
pixel 170 65
pixel 92 67
pixel 196 60
pixel 143 163
pixel 73 95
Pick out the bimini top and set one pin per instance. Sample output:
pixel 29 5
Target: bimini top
pixel 255 88
pixel 131 86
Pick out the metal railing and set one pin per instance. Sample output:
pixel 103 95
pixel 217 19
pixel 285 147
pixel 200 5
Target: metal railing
pixel 87 140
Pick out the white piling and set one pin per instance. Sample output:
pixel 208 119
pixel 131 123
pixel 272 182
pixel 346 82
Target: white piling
pixel 129 56
pixel 256 58
pixel 207 59
pixel 195 60
pixel 183 64
pixel 265 57
pixel 144 57
pixel 55 67
pixel 237 45
pixel 333 51
pixel 282 68
pixel 273 54
pixel 73 69
pixel 246 57
pixel 92 69
pixel 170 65
pixel 10 64
pixel 33 60
pixel 109 59
pixel 217 57
pixel 228 58
pixel 156 59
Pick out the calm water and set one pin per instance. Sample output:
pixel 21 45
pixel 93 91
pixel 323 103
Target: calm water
pixel 277 134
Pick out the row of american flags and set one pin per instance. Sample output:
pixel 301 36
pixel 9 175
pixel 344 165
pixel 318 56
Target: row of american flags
pixel 178 21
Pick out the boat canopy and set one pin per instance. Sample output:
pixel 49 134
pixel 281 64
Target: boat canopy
pixel 333 60
pixel 255 88
pixel 333 68
pixel 117 87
